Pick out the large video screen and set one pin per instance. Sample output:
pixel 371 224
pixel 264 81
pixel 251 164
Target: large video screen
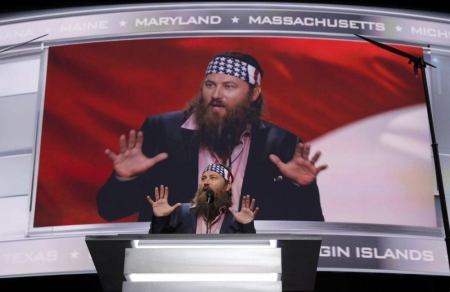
pixel 102 73
pixel 360 106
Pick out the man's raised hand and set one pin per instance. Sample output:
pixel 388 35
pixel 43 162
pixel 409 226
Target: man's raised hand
pixel 161 205
pixel 300 169
pixel 248 211
pixel 131 161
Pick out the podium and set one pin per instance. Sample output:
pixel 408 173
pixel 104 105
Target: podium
pixel 206 262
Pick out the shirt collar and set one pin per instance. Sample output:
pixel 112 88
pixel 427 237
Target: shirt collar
pixel 190 124
pixel 221 209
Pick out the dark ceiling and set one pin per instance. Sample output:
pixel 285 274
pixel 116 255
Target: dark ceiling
pixel 29 5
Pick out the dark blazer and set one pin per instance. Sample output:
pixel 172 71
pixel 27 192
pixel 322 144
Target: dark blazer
pixel 277 197
pixel 184 220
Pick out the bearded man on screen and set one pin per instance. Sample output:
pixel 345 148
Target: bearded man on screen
pixel 222 125
pixel 200 216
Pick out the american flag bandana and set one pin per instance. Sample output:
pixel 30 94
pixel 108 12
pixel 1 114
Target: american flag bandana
pixel 220 170
pixel 236 68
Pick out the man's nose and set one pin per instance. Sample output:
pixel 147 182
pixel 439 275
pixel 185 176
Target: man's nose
pixel 217 92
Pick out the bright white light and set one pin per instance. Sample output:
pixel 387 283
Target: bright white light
pixel 204 277
pixel 205 244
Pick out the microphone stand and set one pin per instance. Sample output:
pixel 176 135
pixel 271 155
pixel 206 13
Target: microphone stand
pixel 207 218
pixel 209 200
pixel 419 63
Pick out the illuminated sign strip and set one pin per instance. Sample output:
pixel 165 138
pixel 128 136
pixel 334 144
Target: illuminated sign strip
pixel 204 277
pixel 231 20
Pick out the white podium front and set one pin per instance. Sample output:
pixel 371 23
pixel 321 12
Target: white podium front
pixel 222 262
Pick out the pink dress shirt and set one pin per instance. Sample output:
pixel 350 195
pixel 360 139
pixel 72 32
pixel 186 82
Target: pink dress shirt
pixel 214 228
pixel 239 158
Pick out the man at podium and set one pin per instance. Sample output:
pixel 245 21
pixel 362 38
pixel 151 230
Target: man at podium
pixel 209 212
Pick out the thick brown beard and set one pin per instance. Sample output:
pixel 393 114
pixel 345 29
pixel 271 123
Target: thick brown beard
pixel 222 198
pixel 210 125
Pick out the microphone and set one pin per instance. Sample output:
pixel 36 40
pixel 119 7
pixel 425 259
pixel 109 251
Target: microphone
pixel 209 200
pixel 209 196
